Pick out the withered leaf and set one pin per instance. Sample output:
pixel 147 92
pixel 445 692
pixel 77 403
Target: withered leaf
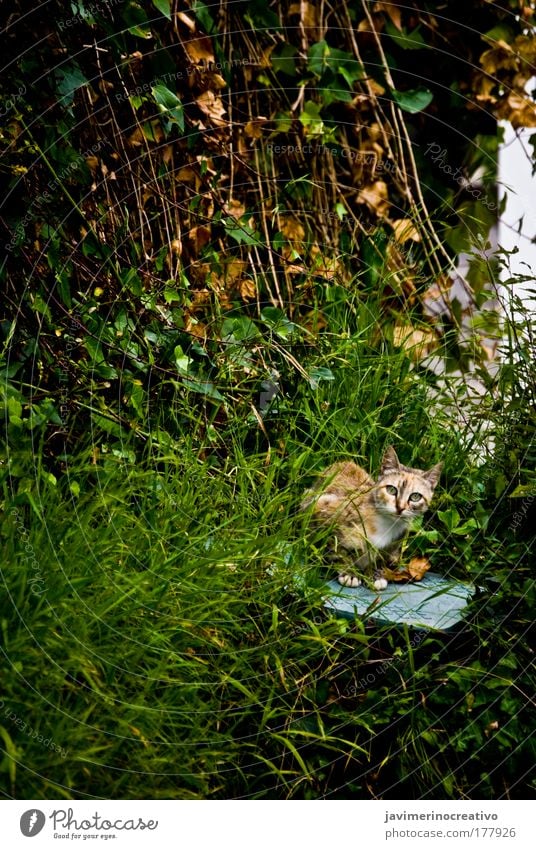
pixel 417 568
pixel 212 106
pixel 253 129
pixel 375 196
pixel 292 229
pixel 235 208
pixel 405 229
pixel 416 342
pixel 199 237
pixel 199 50
pixel 392 11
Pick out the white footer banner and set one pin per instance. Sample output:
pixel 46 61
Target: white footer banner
pixel 267 824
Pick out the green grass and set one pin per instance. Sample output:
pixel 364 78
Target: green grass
pixel 156 637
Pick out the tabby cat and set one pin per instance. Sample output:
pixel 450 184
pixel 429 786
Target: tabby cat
pixel 370 518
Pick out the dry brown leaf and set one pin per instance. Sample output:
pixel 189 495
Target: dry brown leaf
pixel 207 163
pixel 418 567
pixel 292 230
pixel 196 328
pixel 392 11
pixel 416 342
pixel 92 163
pixel 375 196
pixel 199 50
pixel 376 88
pixel 519 110
pixel 405 229
pixel 378 23
pixel 234 270
pixel 235 208
pixel 253 129
pixel 525 46
pixel 323 266
pixel 501 57
pixel 296 269
pixel 212 106
pixel 265 61
pixel 199 237
pixel 308 14
pixel 247 288
pixel 216 80
pixel 486 88
pixel 396 575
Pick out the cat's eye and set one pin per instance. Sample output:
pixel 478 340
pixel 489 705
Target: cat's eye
pixel 392 490
pixel 415 496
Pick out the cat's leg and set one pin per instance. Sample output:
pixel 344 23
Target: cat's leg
pixel 379 582
pixel 347 576
pixel 394 554
pixel 392 558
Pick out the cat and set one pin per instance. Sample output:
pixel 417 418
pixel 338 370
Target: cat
pixel 370 518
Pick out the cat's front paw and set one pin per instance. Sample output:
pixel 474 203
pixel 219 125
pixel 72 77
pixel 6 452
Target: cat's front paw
pixel 347 580
pixel 380 583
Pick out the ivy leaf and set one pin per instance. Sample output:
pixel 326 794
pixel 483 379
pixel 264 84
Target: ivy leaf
pixel 310 118
pixel 182 361
pixel 70 80
pixel 317 56
pixel 322 57
pixel 240 231
pixel 163 6
pixel 414 100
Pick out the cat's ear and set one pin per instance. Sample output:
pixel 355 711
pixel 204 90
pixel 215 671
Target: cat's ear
pixel 432 475
pixel 390 462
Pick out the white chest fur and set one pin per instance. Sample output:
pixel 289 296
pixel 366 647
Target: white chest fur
pixel 388 530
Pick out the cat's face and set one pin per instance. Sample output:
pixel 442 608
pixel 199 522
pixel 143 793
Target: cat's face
pixel 404 492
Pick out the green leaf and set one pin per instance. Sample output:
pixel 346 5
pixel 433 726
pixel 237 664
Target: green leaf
pixel 414 100
pixel 317 374
pixel 241 232
pixel 276 319
pixel 14 407
pixel 205 388
pixel 203 15
pixel 450 518
pixel 163 6
pixel 310 118
pixel 182 361
pixel 260 16
pixel 70 80
pixel 239 329
pixel 406 40
pixel 317 58
pixel 321 57
pixel 169 104
pixel 285 60
pixel 524 491
pixel 465 527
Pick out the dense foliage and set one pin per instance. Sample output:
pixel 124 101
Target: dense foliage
pixel 230 237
